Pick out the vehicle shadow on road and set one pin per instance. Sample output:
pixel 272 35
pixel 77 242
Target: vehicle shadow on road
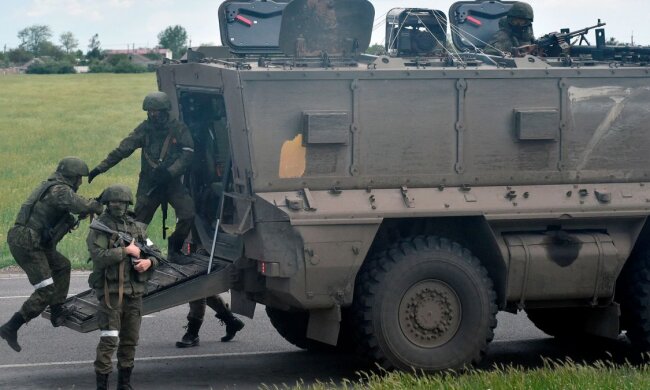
pixel 536 353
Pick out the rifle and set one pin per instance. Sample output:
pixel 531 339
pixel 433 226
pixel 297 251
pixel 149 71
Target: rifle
pixel 127 239
pixel 555 44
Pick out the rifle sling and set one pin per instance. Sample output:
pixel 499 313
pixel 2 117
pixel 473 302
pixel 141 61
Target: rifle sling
pixel 163 152
pixel 120 290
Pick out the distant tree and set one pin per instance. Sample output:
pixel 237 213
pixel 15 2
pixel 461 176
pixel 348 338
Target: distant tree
pixel 68 41
pixel 19 56
pixel 32 37
pixel 94 48
pixel 613 42
pixel 49 49
pixel 376 50
pixel 174 38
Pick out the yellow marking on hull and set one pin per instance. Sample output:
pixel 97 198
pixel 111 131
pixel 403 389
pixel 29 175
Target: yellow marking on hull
pixel 293 159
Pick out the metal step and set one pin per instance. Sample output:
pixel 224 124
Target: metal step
pixel 171 285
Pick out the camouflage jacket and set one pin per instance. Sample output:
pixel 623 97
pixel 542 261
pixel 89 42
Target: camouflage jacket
pixel 152 139
pixel 506 38
pixel 107 257
pixel 51 202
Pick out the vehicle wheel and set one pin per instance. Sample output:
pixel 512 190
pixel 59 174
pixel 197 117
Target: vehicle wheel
pixel 633 294
pixel 558 322
pixel 292 326
pixel 425 303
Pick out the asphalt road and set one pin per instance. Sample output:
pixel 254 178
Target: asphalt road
pixel 62 359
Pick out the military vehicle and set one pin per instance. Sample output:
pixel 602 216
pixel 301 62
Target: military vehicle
pixel 395 204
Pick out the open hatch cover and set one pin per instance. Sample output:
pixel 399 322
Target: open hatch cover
pixel 251 26
pixel 473 23
pixel 336 27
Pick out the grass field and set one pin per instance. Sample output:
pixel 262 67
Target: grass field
pixel 45 118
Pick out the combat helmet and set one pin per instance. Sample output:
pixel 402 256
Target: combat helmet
pixel 117 193
pixel 72 167
pixel 157 101
pixel 521 10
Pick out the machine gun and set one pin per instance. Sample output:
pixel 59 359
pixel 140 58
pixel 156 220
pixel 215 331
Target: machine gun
pixel 555 44
pixel 127 239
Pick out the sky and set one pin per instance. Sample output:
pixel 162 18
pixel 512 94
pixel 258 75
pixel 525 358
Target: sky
pixel 123 23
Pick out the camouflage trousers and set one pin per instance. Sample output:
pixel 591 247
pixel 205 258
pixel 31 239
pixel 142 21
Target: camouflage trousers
pixel 197 308
pixel 119 330
pixel 179 198
pixel 47 270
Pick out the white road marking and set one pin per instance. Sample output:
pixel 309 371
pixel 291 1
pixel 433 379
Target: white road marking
pixel 148 359
pixel 23 276
pixel 27 296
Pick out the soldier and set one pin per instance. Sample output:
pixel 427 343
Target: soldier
pixel 195 320
pixel 42 221
pixel 515 30
pixel 119 276
pixel 167 150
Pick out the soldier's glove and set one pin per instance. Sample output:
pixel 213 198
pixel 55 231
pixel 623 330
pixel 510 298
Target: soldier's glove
pixel 93 174
pixel 96 207
pixel 161 176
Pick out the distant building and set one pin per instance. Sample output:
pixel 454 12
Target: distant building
pixel 166 53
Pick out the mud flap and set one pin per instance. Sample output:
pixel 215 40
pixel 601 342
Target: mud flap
pixel 171 285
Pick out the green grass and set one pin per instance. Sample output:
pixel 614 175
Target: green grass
pixel 553 375
pixel 45 118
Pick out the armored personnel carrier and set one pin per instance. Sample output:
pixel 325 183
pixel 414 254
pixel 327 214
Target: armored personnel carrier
pixel 395 204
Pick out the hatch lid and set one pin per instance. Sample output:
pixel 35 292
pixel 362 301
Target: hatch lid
pixel 336 27
pixel 473 23
pixel 251 26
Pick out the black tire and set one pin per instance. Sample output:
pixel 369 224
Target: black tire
pixel 633 294
pixel 562 323
pixel 425 303
pixel 292 326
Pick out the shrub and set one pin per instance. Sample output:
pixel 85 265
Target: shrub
pixel 51 67
pixel 123 66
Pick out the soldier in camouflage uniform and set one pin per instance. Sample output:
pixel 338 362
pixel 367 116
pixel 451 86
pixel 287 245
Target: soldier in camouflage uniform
pixel 515 30
pixel 43 220
pixel 167 150
pixel 118 278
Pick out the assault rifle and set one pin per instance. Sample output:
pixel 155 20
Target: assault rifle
pixel 127 239
pixel 555 44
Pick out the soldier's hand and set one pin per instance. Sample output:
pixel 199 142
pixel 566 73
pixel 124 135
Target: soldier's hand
pixel 143 265
pixel 93 174
pixel 133 250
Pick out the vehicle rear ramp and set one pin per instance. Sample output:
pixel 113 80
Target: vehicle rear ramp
pixel 171 285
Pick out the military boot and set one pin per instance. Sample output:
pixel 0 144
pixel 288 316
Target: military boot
pixel 9 331
pixel 191 337
pixel 58 313
pixel 174 253
pixel 102 381
pixel 233 325
pixel 124 378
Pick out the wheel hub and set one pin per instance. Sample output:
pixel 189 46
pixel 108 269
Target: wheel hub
pixel 429 313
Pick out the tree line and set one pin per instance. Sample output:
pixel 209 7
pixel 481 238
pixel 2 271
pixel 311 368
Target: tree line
pixel 60 56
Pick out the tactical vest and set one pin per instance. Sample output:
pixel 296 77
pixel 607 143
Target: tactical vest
pixel 160 145
pixel 37 215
